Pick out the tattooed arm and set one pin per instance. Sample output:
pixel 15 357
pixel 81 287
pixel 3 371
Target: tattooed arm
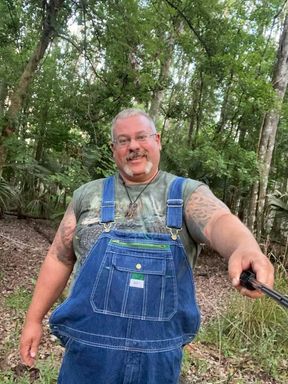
pixel 52 279
pixel 209 221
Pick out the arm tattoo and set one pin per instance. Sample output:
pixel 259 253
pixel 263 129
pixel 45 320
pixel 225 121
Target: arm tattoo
pixel 62 245
pixel 200 208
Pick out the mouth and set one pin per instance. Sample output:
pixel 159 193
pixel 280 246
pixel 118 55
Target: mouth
pixel 136 156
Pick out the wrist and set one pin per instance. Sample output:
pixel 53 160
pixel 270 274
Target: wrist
pixel 34 318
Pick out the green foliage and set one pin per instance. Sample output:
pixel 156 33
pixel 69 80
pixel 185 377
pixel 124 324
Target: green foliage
pixel 221 163
pixel 6 194
pixel 257 328
pixel 209 65
pixel 47 370
pixel 19 300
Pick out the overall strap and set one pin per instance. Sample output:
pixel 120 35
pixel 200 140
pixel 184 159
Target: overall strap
pixel 174 213
pixel 108 200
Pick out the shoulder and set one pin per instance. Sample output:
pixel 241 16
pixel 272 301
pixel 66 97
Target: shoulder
pixel 86 195
pixel 189 185
pixel 94 186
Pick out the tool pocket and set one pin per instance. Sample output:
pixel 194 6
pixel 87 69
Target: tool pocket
pixel 136 280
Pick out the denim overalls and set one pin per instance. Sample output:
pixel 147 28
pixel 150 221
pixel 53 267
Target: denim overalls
pixel 132 306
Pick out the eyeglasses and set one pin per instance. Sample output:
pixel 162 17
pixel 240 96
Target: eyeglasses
pixel 124 141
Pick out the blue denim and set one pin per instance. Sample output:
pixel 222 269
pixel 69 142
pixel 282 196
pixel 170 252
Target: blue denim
pixel 132 306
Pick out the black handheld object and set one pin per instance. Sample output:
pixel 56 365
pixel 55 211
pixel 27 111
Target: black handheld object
pixel 248 280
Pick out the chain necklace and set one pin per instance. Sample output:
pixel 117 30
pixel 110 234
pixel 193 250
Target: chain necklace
pixel 132 207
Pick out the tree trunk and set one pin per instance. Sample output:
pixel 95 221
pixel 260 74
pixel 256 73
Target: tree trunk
pixel 18 96
pixel 158 93
pixel 270 125
pixel 3 95
pixel 196 113
pixel 223 115
pixel 193 113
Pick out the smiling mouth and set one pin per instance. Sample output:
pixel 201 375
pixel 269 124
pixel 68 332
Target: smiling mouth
pixel 136 156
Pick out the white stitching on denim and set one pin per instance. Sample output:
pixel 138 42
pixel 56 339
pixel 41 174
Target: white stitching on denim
pixel 145 297
pixel 125 339
pixel 125 297
pixel 108 286
pixel 166 257
pixel 125 348
pixel 97 280
pixel 162 296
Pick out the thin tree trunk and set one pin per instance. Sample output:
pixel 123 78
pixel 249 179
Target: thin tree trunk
pixel 3 95
pixel 199 110
pixel 18 96
pixel 158 93
pixel 223 115
pixel 270 125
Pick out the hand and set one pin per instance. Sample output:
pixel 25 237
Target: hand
pixel 29 342
pixel 243 259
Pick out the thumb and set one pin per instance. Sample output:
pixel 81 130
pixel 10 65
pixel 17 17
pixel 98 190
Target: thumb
pixel 34 348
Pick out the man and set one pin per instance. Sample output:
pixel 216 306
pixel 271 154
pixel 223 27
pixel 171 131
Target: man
pixel 132 305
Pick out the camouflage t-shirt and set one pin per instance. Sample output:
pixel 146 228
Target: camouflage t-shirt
pixel 150 215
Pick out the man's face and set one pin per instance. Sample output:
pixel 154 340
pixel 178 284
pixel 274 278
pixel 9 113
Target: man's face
pixel 137 160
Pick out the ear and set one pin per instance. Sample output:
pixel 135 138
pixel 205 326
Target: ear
pixel 112 147
pixel 158 139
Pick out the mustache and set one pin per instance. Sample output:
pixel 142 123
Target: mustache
pixel 136 154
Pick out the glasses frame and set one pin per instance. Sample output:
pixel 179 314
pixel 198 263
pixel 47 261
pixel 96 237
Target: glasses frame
pixel 129 139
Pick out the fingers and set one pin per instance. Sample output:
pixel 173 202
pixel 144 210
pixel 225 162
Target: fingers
pixel 28 353
pixel 236 265
pixel 241 260
pixel 29 344
pixel 264 272
pixel 33 351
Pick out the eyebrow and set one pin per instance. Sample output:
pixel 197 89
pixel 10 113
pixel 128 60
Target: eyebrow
pixel 137 133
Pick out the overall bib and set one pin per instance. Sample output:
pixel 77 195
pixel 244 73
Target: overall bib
pixel 132 306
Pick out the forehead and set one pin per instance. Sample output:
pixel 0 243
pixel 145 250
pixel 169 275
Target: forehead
pixel 132 125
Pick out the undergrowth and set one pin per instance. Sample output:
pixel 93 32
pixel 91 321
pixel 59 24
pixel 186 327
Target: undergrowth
pixel 254 328
pixel 46 372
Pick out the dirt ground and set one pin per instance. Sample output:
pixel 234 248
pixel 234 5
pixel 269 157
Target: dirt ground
pixel 23 245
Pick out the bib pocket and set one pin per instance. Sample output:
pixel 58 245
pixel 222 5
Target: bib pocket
pixel 136 280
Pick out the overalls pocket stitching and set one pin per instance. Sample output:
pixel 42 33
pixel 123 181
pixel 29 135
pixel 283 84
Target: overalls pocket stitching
pixel 113 269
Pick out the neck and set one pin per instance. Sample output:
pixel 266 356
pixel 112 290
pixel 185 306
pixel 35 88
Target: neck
pixel 138 179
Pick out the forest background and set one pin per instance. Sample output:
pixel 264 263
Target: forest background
pixel 213 74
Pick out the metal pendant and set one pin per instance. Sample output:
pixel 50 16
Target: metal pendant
pixel 131 211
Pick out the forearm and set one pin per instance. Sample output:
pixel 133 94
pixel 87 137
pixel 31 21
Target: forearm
pixel 226 234
pixel 51 282
pixel 55 270
pixel 209 221
pixel 53 277
pixel 229 237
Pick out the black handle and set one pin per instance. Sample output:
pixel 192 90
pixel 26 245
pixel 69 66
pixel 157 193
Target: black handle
pixel 248 280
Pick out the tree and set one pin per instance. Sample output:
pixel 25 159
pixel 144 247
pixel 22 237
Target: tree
pixel 50 12
pixel 269 130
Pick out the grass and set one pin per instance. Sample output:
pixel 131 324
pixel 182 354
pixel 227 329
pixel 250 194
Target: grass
pixel 46 372
pixel 18 300
pixel 255 330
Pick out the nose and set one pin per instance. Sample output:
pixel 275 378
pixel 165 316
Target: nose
pixel 134 144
